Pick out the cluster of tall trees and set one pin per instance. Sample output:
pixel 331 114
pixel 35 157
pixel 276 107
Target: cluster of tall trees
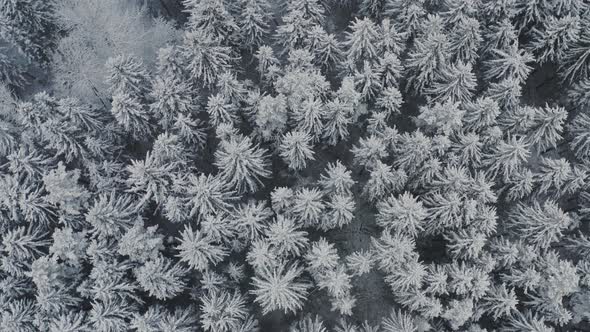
pixel 206 173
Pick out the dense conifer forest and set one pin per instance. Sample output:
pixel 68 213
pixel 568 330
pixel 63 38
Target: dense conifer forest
pixel 294 165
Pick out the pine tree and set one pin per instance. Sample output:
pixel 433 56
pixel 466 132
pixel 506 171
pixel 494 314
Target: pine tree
pixel 281 199
pixel 171 97
pixel 69 246
pixel 576 61
pixel 480 114
pixel 390 70
pixel 221 110
pixel 340 211
pixel 266 58
pixel 271 117
pixel 540 225
pixel 506 93
pixel 199 250
pixel 507 157
pixel 360 262
pixel 500 302
pixel 308 324
pixel 242 164
pixel 337 179
pixel 312 10
pixel 337 119
pixel 426 59
pixel 279 289
pixel 390 100
pixel 131 114
pixel 466 40
pixel 368 81
pixel 208 194
pixel 294 31
pixel 321 257
pixel 222 311
pixel 285 237
pixel 254 23
pixel 383 180
pixel 580 142
pixel 11 72
pixel 546 128
pixel 211 17
pixel 208 59
pixel 413 149
pixel 442 118
pixel 126 74
pixel 500 36
pixel 64 190
pixel 296 150
pixel 111 315
pixel 526 321
pixel 369 151
pixel 398 321
pixel 510 63
pixel 28 25
pixel 403 214
pixel 24 243
pixel 160 278
pixel 307 206
pixel 456 82
pixel 140 243
pixel 362 40
pixel 71 321
pixel 559 35
pixel 308 118
pixel 251 219
pixel 112 215
pixel 326 48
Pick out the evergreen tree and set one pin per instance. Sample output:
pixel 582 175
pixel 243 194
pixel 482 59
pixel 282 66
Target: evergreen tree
pixel 211 17
pixel 398 321
pixel 207 58
pixel 221 110
pixel 403 214
pixel 242 164
pixel 131 114
pixel 253 22
pixel 199 250
pixel 340 211
pixel 160 278
pixel 251 219
pixel 285 237
pixel 337 118
pixel 337 179
pixel 540 224
pixel 383 180
pixel 28 25
pixel 500 302
pixel 112 214
pixel 507 157
pixel 576 61
pixel 510 63
pixel 559 34
pixel 307 206
pixel 369 151
pixel 456 82
pixel 466 40
pixel 390 70
pixel 279 288
pixel 362 40
pixel 295 149
pixel 222 311
pixel 426 59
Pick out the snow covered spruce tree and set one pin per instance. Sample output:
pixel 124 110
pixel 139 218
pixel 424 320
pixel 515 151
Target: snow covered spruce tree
pixel 301 166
